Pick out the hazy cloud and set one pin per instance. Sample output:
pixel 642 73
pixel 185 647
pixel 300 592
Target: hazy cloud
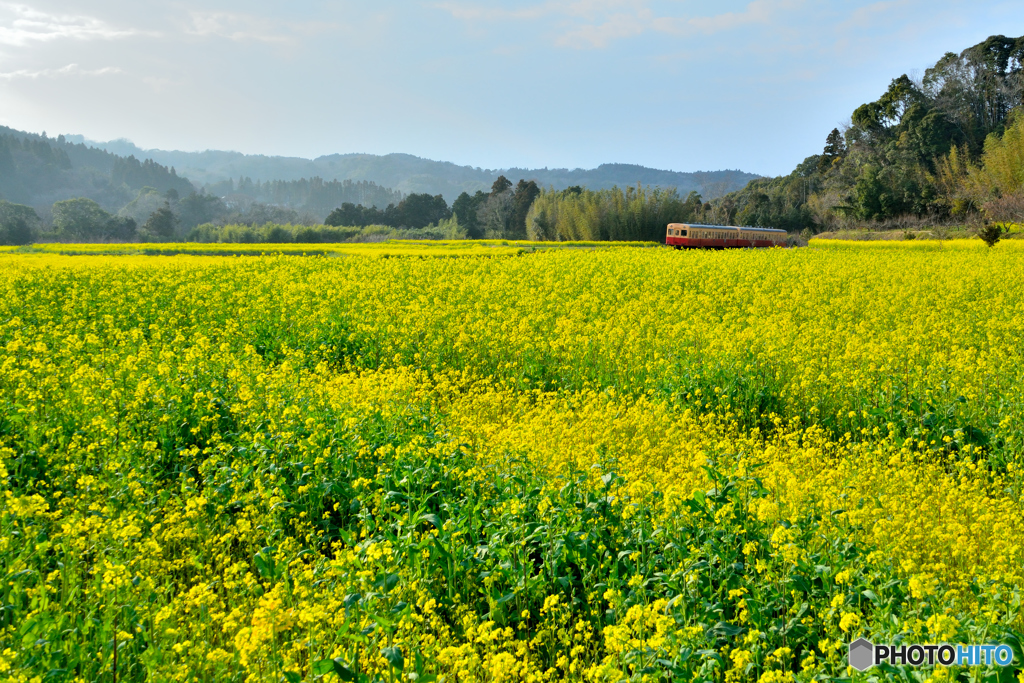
pixel 246 27
pixel 757 12
pixel 69 70
pixel 20 25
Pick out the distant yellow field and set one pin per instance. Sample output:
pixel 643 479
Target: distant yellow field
pixel 388 248
pixel 922 245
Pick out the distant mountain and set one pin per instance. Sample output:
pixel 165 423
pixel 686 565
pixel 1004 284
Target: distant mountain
pixel 410 174
pixel 38 170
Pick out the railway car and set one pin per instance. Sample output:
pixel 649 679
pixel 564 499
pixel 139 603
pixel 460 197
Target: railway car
pixel 695 236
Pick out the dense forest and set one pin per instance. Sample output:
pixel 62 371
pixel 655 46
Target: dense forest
pixel 945 148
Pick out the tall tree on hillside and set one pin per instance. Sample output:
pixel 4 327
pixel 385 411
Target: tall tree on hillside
pixel 501 185
pixel 835 149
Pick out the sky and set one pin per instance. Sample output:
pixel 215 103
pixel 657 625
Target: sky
pixel 684 85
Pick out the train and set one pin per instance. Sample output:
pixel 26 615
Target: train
pixel 696 236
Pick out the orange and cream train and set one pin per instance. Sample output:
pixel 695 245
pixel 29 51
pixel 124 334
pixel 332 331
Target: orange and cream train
pixel 683 235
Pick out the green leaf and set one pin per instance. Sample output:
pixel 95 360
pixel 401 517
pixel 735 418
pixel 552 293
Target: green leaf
pixel 342 671
pixel 505 598
pixel 394 657
pixel 264 561
pixel 292 677
pixel 324 666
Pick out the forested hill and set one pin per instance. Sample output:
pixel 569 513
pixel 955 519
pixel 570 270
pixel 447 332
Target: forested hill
pixel 37 170
pixel 410 174
pixel 945 148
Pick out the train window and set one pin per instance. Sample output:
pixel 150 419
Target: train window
pixel 683 233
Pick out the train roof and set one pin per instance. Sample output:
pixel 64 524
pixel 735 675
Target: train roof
pixel 722 227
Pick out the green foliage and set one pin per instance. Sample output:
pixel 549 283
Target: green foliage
pixel 84 219
pixel 525 195
pixel 415 211
pixel 466 209
pixel 635 214
pixel 501 185
pixel 990 233
pixel 199 207
pixel 19 224
pixel 161 223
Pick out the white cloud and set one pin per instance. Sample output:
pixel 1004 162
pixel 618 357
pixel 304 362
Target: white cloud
pixel 599 35
pixel 245 27
pixel 21 25
pixel 69 70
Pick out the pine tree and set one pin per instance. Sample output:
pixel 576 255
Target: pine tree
pixel 835 149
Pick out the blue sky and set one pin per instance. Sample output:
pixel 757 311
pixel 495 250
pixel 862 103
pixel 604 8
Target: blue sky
pixel 678 84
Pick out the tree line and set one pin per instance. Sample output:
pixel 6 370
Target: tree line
pixel 498 214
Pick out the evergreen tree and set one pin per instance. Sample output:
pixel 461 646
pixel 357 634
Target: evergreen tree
pixel 502 184
pixel 835 149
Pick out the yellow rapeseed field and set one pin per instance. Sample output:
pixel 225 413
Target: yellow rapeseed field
pixel 591 465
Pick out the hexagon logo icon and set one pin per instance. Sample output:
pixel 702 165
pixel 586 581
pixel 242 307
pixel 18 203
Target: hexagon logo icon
pixel 862 654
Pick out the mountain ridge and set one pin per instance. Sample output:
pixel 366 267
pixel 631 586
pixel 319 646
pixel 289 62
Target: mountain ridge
pixel 412 174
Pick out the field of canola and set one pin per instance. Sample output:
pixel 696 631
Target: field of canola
pixel 598 465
